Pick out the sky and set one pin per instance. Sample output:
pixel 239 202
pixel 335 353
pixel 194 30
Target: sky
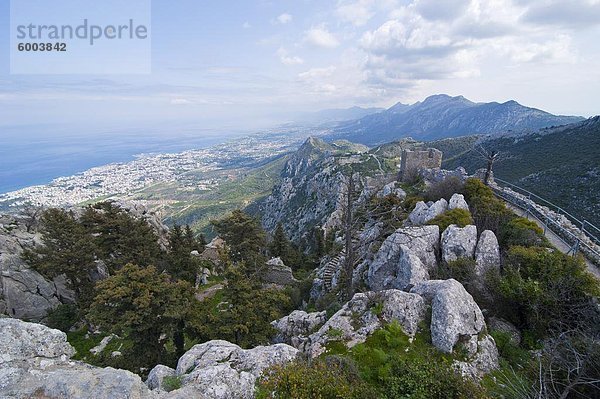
pixel 252 64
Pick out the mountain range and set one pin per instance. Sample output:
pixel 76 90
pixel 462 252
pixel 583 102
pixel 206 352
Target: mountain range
pixel 442 116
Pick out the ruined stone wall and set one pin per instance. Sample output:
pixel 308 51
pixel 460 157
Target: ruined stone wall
pixel 413 161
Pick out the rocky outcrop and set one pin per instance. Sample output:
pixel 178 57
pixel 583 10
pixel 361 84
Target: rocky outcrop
pixel 364 314
pixel 394 267
pixel 482 362
pixel 157 376
pixel 457 201
pixel 487 253
pixel 391 189
pixel 222 370
pixel 295 328
pixel 24 293
pixel 423 212
pixel 276 272
pixel 458 242
pixel 455 317
pixel 35 362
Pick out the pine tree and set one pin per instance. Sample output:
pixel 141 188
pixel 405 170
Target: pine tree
pixel 180 263
pixel 280 245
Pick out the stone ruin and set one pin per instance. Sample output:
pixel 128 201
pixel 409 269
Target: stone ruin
pixel 414 161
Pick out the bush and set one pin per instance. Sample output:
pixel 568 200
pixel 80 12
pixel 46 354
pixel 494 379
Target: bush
pixel 171 383
pixel 523 232
pixel 444 189
pixel 462 270
pixel 489 212
pixel 544 290
pixel 321 379
pixel 63 317
pixel 459 217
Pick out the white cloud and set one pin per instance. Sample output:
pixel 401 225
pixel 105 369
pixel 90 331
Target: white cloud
pixel 321 37
pixel 316 73
pixel 357 13
pixel 284 18
pixel 287 59
pixel 180 101
pixel 246 25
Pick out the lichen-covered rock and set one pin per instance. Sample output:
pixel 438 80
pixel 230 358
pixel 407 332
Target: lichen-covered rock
pixel 295 328
pixel 487 253
pixel 386 266
pixel 423 213
pixel 157 375
pixel 482 362
pixel 454 314
pixel 35 362
pixel 222 370
pixel 20 340
pixel 391 189
pixel 458 242
pixel 357 319
pixel 403 274
pixel 457 201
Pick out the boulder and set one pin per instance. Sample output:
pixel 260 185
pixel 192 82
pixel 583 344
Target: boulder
pixel 483 362
pixel 487 253
pixel 458 242
pixel 295 328
pixel 35 362
pixel 391 189
pixel 157 375
pixel 454 314
pixel 222 370
pixel 387 271
pixel 423 213
pixel 276 272
pixel 364 314
pixel 457 201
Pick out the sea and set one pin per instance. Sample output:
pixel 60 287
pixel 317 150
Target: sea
pixel 37 154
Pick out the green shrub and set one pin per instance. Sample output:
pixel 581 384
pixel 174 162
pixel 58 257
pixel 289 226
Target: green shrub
pixel 521 231
pixel 543 290
pixel 462 270
pixel 321 379
pixel 489 212
pixel 459 217
pixel 63 317
pixel 171 383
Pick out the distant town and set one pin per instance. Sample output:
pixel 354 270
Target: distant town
pixel 119 179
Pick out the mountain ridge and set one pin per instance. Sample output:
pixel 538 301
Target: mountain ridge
pixel 442 116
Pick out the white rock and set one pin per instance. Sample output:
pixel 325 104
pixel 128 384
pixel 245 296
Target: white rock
pixel 157 375
pixel 423 213
pixel 457 201
pixel 458 242
pixel 487 253
pixel 455 315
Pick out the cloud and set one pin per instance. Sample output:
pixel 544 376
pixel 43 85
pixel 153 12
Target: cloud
pixel 180 101
pixel 441 10
pixel 564 13
pixel 284 18
pixel 287 59
pixel 321 37
pixel 357 13
pixel 246 25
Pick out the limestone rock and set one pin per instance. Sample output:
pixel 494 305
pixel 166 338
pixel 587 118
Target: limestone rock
pixel 34 362
pixel 157 375
pixel 455 315
pixel 222 370
pixel 457 201
pixel 487 253
pixel 391 189
pixel 458 242
pixel 386 267
pixel 295 328
pixel 423 213
pixel 483 362
pixel 276 272
pixel 21 341
pixel 356 320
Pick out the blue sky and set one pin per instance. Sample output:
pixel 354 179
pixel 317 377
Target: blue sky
pixel 251 64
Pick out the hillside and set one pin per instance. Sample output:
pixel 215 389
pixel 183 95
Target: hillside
pixel 559 164
pixel 442 116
